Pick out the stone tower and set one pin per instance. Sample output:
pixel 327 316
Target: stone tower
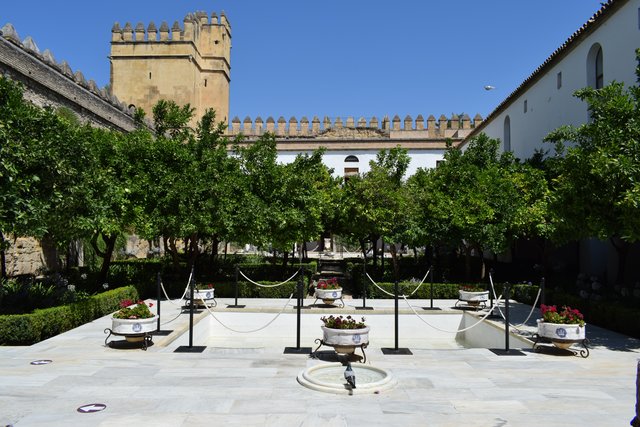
pixel 188 64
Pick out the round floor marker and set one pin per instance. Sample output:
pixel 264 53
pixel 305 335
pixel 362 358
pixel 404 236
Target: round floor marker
pixel 41 362
pixel 93 407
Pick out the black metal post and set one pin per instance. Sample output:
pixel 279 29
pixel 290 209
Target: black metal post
pixel 395 307
pixel 506 351
pixel 191 348
pixel 542 291
pixel 431 291
pixel 491 290
pixel 192 288
pixel 158 298
pixel 396 350
pixel 364 286
pixel 159 331
pixel 236 285
pixel 300 300
pixel 506 316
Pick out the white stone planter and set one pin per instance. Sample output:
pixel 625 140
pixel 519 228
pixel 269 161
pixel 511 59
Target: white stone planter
pixel 561 335
pixel 202 296
pixel 328 296
pixel 473 297
pixel 136 328
pixel 345 340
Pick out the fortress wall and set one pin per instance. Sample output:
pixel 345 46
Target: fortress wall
pixel 52 83
pixel 188 63
pixel 407 128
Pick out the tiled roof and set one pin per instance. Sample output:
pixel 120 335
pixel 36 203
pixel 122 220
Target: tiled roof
pixel 607 9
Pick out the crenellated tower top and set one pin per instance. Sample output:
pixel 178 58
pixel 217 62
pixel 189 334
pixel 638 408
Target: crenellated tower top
pixel 188 63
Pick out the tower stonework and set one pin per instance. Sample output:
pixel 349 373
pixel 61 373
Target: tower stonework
pixel 188 64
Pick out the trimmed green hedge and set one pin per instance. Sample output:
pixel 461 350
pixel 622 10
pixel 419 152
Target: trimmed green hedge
pixel 440 290
pixel 27 329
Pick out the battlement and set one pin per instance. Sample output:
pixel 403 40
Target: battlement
pixel 396 128
pixel 189 63
pixel 49 82
pixel 194 25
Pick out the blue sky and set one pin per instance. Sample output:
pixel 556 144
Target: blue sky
pixel 335 58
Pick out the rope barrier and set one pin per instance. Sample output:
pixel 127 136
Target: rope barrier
pixel 269 286
pixel 444 330
pixel 533 307
pixel 164 291
pixel 392 295
pixel 253 330
pixel 169 321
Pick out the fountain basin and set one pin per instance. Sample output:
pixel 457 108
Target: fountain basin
pixel 329 378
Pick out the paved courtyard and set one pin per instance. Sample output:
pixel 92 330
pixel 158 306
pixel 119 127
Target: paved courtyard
pixel 245 379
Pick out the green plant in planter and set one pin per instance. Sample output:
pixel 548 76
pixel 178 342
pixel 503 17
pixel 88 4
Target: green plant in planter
pixel 340 322
pixel 131 310
pixel 331 283
pixel 567 315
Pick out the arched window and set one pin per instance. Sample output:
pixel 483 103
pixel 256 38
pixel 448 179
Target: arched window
pixel 595 68
pixel 507 134
pixel 353 169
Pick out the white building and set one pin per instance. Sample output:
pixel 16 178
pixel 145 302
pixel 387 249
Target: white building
pixel 601 51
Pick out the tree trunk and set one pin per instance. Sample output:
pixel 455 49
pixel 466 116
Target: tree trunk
pixel 374 240
pixel 214 248
pixel 173 250
pixel 467 262
pixel 192 243
pixel 622 251
pixel 394 260
pixel 110 243
pixel 3 260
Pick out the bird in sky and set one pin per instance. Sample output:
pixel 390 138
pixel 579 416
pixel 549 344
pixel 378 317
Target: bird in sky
pixel 350 376
pixel 489 87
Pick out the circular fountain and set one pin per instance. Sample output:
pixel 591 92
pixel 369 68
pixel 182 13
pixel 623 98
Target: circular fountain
pixel 329 378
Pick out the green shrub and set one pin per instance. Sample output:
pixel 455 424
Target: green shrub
pixel 27 329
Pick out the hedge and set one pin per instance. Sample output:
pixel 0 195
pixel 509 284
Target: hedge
pixel 27 329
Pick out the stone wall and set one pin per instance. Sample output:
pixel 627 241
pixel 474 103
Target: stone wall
pixel 396 128
pixel 188 64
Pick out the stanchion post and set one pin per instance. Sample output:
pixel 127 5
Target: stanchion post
pixel 236 285
pixel 506 316
pixel 395 309
pixel 192 286
pixel 364 286
pixel 396 349
pixel 191 348
pixel 159 331
pixel 300 297
pixel 506 351
pixel 431 284
pixel 158 298
pixel 491 289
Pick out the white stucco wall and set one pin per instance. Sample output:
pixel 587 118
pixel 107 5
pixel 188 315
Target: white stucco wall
pixel 335 159
pixel 549 107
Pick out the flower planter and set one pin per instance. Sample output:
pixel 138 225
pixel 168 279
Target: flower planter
pixel 345 341
pixel 560 334
pixel 134 329
pixel 328 296
pixel 473 297
pixel 203 297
